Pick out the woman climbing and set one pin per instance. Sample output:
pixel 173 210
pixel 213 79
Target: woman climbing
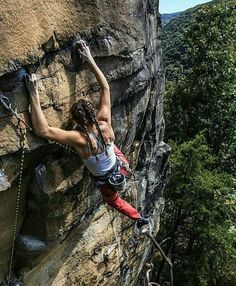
pixel 93 138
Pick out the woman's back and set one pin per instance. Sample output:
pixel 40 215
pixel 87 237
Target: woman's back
pixel 105 157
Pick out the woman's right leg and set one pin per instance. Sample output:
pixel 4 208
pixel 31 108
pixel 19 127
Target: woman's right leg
pixel 115 201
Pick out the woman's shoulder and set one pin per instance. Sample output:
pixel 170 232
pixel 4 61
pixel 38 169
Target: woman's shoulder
pixel 81 139
pixel 106 128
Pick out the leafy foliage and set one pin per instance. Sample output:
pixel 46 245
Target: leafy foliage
pixel 199 217
pixel 200 109
pixel 201 79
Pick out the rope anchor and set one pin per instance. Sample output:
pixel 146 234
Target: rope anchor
pixel 5 102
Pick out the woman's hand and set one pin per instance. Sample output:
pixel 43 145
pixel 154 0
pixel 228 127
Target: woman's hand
pixel 85 51
pixel 32 84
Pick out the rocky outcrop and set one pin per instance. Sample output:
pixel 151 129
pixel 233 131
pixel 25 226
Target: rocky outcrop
pixel 66 234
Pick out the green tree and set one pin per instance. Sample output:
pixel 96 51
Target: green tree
pixel 199 48
pixel 199 217
pixel 200 110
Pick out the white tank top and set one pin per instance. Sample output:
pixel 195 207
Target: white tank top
pixel 105 161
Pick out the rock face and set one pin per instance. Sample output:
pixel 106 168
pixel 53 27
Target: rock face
pixel 66 234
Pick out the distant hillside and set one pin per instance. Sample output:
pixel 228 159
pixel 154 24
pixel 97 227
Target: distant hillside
pixel 166 18
pixel 199 53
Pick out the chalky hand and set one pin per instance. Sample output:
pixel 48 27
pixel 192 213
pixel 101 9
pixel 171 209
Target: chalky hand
pixel 84 51
pixel 32 84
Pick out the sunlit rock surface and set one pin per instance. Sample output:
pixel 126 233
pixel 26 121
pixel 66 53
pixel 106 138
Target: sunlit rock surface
pixel 66 234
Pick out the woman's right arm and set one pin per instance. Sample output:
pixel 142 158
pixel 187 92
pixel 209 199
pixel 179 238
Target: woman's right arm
pixel 40 124
pixel 104 110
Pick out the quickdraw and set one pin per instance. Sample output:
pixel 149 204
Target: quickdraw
pixel 5 102
pixel 7 105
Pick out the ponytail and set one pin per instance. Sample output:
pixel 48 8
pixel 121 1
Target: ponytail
pixel 84 112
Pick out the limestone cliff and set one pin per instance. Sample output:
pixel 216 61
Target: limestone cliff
pixel 66 234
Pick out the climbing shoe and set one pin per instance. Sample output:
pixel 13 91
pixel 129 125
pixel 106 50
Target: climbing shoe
pixel 142 221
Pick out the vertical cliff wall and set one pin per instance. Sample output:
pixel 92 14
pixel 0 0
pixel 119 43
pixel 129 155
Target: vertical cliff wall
pixel 66 234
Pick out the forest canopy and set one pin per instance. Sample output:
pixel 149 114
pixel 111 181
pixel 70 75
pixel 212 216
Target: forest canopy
pixel 200 112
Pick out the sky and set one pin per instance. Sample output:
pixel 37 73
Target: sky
pixel 171 6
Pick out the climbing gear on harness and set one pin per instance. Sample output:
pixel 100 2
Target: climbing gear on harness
pixel 7 105
pixel 117 180
pixel 116 177
pixel 22 143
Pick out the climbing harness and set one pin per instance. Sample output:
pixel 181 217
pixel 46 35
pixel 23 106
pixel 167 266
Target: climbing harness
pixel 117 180
pixel 115 177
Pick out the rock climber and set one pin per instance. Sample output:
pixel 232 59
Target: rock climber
pixel 93 138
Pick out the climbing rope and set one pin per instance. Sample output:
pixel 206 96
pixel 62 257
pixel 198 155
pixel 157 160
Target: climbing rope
pixel 7 105
pixel 149 270
pixel 22 143
pixel 147 232
pixel 4 101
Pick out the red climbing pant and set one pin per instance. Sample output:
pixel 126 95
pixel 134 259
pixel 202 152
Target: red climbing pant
pixel 113 199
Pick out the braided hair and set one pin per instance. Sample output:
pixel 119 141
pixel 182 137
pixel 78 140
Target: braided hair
pixel 83 111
